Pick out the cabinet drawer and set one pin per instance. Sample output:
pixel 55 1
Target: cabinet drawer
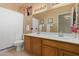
pixel 62 45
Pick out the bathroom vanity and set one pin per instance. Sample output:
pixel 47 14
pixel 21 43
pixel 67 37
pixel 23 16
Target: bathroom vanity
pixel 51 45
pixel 60 43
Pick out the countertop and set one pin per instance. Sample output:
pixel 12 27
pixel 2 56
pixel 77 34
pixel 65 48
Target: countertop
pixel 70 38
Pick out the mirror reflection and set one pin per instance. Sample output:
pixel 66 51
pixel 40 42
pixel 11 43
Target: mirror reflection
pixel 59 20
pixel 49 24
pixel 78 15
pixel 64 22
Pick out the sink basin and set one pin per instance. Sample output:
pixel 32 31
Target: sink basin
pixel 55 35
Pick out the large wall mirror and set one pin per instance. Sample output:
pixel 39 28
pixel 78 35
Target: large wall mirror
pixel 59 20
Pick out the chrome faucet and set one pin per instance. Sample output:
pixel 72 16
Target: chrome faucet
pixel 60 34
pixel 37 30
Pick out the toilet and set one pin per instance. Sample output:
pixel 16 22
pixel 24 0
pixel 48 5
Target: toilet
pixel 18 44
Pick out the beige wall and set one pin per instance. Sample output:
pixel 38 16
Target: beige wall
pixel 53 14
pixel 27 21
pixel 11 6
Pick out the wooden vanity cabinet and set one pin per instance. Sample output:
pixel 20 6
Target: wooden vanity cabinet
pixel 46 47
pixel 58 48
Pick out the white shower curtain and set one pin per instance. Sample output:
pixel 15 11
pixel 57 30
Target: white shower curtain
pixel 11 27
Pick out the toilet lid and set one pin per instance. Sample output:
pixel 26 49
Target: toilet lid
pixel 19 41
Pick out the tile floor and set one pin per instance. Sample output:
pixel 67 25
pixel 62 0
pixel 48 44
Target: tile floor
pixel 12 52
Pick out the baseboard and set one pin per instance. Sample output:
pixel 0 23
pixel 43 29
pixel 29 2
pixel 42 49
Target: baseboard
pixel 7 48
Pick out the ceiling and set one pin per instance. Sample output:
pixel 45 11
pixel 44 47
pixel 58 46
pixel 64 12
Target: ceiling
pixel 16 6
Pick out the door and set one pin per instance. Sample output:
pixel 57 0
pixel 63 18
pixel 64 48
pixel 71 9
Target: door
pixel 27 44
pixel 36 46
pixel 49 51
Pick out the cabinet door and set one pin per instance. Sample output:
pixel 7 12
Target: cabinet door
pixel 27 44
pixel 49 51
pixel 36 46
pixel 66 53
